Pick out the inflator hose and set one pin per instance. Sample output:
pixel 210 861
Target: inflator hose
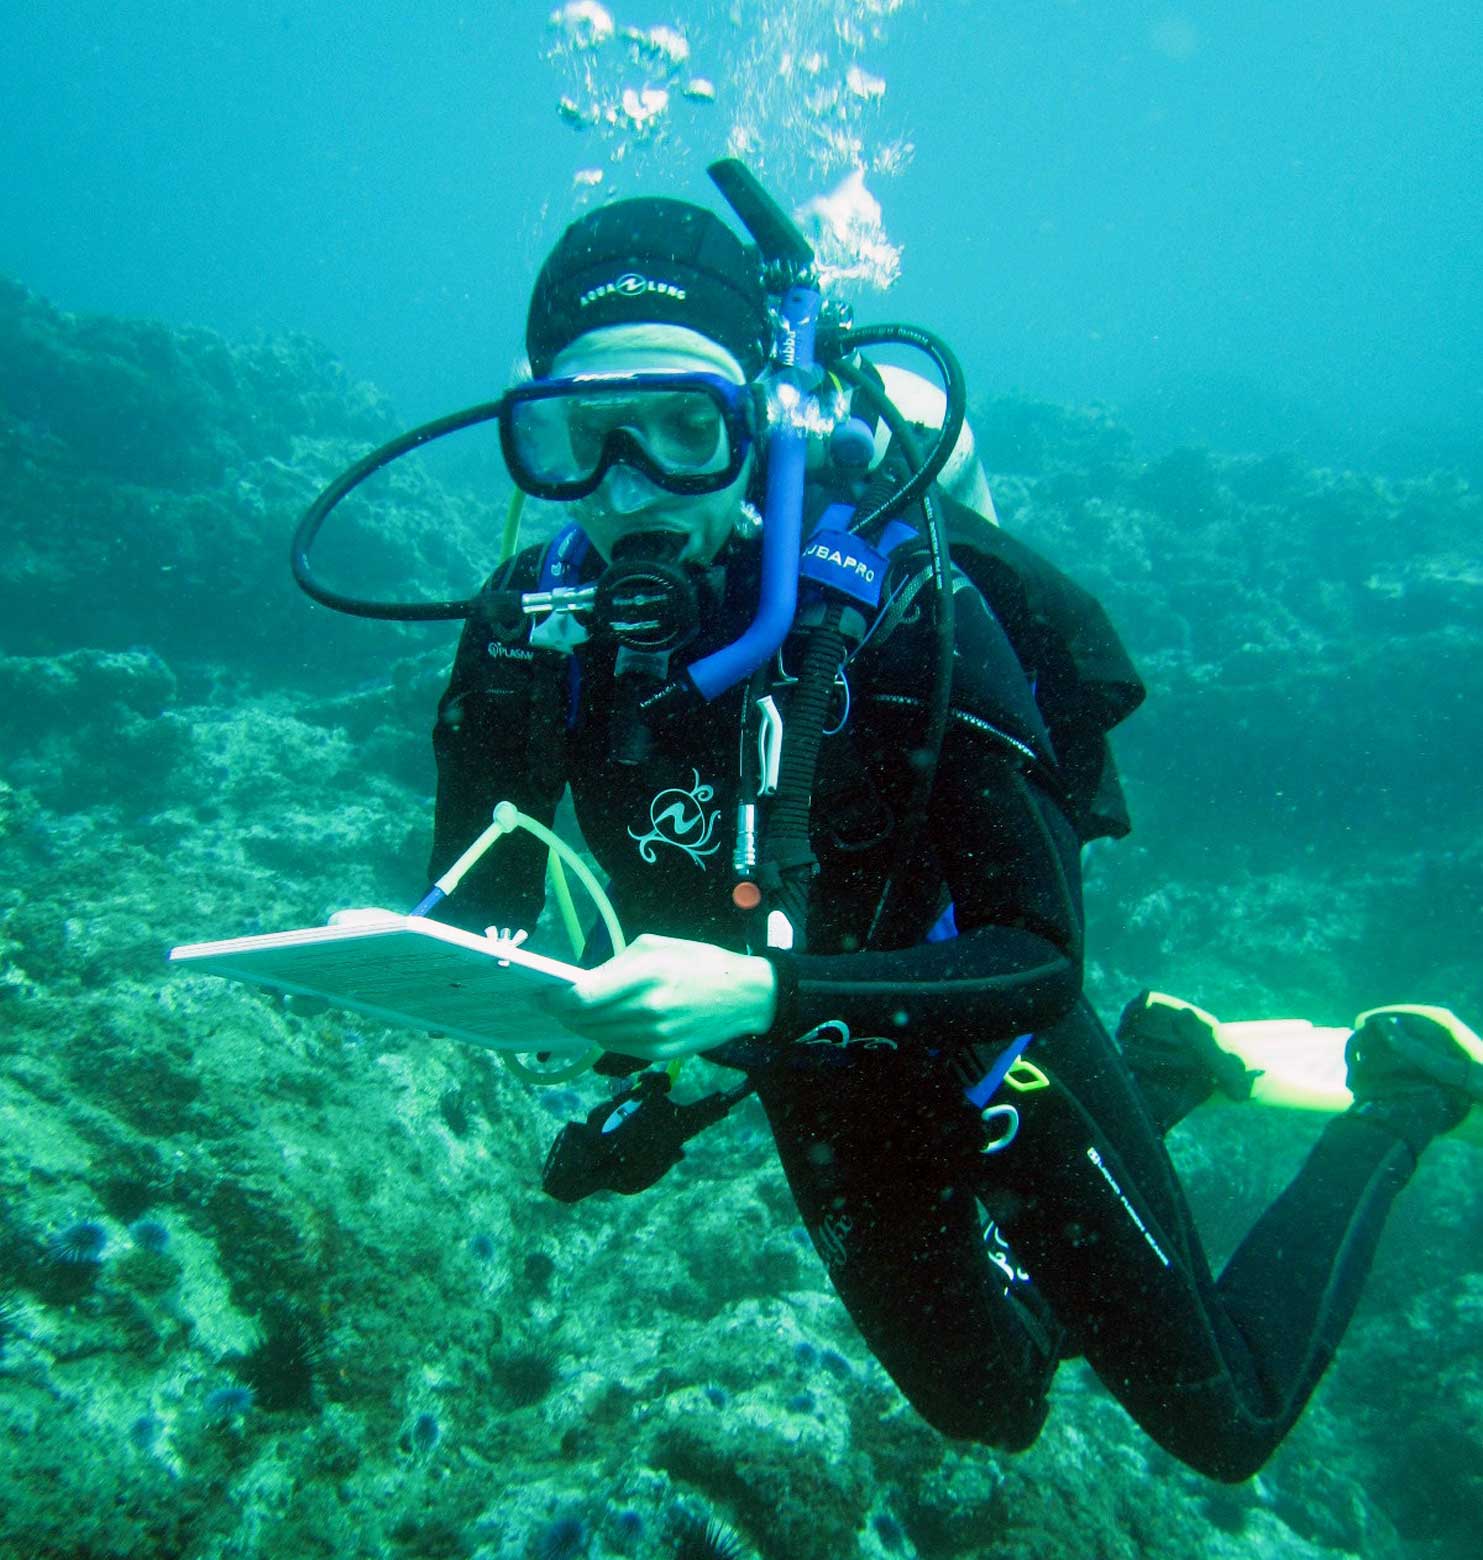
pixel 939 707
pixel 789 851
pixel 935 535
pixel 955 388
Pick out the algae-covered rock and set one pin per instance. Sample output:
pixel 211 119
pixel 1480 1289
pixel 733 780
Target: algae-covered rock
pixel 149 405
pixel 152 479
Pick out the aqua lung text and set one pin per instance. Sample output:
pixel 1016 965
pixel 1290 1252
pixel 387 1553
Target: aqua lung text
pixel 630 285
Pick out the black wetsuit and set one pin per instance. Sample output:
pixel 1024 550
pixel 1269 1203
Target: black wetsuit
pixel 862 1076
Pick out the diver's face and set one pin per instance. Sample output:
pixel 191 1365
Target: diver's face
pixel 627 502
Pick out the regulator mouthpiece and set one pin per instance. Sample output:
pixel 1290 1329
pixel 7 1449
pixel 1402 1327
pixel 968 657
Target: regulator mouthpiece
pixel 646 600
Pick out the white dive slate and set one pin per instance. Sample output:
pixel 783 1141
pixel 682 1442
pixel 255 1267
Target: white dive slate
pixel 405 970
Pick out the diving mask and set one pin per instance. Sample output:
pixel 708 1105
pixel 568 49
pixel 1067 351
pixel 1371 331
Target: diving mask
pixel 687 433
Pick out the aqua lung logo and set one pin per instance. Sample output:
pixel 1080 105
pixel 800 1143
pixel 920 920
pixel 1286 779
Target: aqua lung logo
pixel 630 285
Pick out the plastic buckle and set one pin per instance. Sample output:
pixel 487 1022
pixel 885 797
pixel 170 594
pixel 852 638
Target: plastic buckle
pixel 769 746
pixel 1025 1077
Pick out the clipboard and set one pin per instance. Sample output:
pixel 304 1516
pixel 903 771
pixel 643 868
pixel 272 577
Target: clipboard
pixel 407 970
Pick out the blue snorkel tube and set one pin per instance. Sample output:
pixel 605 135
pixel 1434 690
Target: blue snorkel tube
pixel 792 276
pixel 789 259
pixel 782 516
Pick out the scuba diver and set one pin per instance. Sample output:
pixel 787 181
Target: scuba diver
pixel 837 742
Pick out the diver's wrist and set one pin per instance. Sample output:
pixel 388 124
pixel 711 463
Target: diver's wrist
pixel 784 991
pixel 759 990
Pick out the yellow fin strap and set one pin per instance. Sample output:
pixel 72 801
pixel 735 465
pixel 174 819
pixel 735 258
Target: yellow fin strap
pixel 1466 1038
pixel 1163 999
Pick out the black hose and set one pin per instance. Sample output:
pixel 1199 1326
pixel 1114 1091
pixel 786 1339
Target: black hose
pixel 955 387
pixel 345 483
pixel 934 533
pixel 789 850
pixel 939 708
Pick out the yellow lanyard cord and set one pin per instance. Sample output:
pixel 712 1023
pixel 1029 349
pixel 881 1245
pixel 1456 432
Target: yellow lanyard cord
pixel 507 817
pixel 511 538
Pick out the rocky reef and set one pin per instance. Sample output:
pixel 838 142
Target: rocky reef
pixel 282 1283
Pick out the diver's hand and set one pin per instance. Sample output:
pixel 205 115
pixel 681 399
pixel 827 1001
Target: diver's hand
pixel 664 997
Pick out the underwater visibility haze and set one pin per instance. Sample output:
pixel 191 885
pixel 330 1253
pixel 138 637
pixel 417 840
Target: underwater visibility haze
pixel 280 1280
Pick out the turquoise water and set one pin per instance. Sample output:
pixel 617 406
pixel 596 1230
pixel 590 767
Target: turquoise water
pixel 1253 224
pixel 282 1282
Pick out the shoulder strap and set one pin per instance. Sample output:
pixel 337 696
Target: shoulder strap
pixel 561 562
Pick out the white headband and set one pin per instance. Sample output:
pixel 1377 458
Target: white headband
pixel 646 348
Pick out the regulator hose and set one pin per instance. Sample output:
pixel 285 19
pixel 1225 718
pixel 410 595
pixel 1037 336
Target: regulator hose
pixel 350 479
pixel 924 473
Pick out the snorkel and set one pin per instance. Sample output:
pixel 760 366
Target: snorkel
pixel 782 522
pixel 789 259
